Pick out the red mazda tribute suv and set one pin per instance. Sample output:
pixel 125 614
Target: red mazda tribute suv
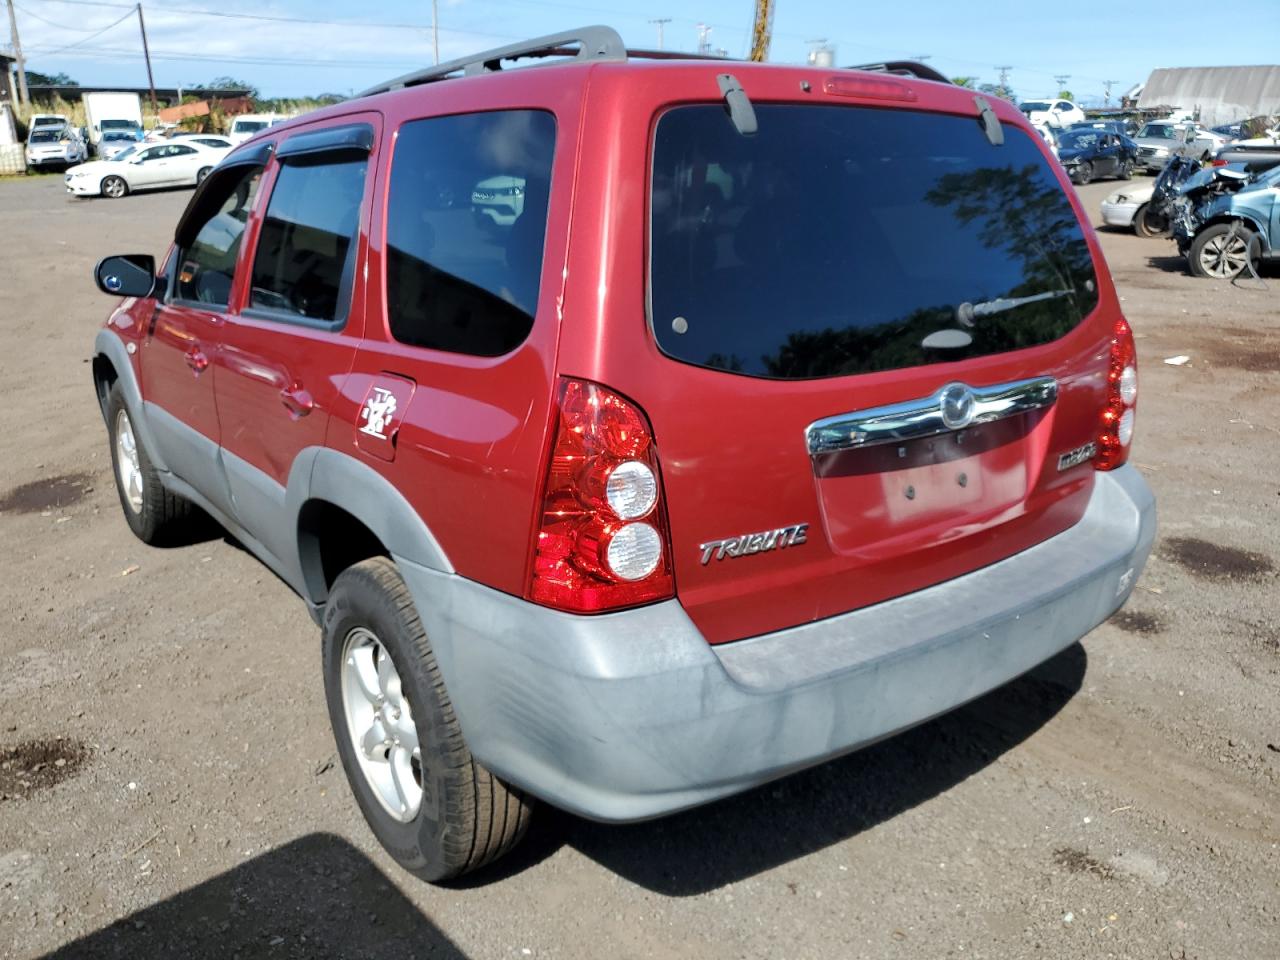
pixel 637 429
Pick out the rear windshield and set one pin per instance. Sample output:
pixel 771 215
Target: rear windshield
pixel 842 240
pixel 249 126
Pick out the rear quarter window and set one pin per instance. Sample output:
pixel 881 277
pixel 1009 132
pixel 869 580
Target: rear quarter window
pixel 842 240
pixel 466 219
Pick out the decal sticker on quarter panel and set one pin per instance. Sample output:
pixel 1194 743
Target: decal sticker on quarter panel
pixel 381 413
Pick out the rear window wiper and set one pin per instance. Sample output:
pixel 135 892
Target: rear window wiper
pixel 967 313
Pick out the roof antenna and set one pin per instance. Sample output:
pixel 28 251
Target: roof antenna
pixel 741 112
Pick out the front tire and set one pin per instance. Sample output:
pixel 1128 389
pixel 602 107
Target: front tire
pixel 430 804
pixel 1221 251
pixel 1084 174
pixel 1126 170
pixel 155 515
pixel 114 187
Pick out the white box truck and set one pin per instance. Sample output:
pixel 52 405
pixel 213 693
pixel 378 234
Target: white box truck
pixel 114 120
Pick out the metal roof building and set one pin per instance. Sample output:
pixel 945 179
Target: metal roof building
pixel 1220 94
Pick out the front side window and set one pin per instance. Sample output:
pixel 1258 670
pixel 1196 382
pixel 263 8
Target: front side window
pixel 208 265
pixel 466 218
pixel 306 248
pixel 841 240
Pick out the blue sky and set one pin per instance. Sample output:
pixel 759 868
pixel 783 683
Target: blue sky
pixel 1094 42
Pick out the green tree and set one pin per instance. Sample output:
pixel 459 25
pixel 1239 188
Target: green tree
pixel 225 83
pixel 970 82
pixel 1066 95
pixel 38 79
pixel 996 90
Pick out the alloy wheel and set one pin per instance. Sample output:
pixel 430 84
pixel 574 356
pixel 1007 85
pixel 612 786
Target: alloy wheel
pixel 380 724
pixel 128 469
pixel 1224 256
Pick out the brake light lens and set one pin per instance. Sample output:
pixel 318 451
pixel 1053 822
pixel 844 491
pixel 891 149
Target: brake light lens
pixel 602 540
pixel 1116 432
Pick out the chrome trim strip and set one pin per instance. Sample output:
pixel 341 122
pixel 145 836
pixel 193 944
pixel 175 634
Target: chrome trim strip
pixel 954 407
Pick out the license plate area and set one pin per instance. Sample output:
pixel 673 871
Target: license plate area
pixel 890 497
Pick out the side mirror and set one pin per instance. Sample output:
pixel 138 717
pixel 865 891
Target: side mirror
pixel 128 275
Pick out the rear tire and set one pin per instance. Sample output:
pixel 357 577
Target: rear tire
pixel 155 515
pixel 202 173
pixel 114 187
pixel 1150 225
pixel 452 815
pixel 1218 253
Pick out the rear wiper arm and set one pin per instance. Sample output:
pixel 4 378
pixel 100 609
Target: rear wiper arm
pixel 967 313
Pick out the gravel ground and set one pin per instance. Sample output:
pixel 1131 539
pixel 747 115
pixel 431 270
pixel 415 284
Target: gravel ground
pixel 168 784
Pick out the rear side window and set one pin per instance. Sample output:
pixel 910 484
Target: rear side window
pixel 466 219
pixel 843 240
pixel 306 248
pixel 208 265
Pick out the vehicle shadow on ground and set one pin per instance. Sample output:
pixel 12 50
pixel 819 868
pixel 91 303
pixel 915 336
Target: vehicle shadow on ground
pixel 315 897
pixel 704 849
pixel 1175 263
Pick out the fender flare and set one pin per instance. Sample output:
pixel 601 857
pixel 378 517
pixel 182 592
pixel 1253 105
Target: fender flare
pixel 109 345
pixel 332 477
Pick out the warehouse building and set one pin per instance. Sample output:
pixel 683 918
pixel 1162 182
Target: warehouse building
pixel 1216 94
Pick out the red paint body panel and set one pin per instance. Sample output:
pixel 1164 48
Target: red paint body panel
pixel 470 451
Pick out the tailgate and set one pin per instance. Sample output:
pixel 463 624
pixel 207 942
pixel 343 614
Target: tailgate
pixel 876 321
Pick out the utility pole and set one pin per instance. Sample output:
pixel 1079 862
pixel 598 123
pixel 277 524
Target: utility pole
pixel 659 22
pixel 1061 79
pixel 1004 80
pixel 146 53
pixel 922 57
pixel 24 98
pixel 435 32
pixel 1106 86
pixel 704 39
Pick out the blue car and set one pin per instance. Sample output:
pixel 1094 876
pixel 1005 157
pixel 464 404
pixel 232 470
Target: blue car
pixel 1091 154
pixel 1236 224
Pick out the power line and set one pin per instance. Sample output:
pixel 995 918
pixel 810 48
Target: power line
pixel 61 26
pixel 272 18
pixel 95 34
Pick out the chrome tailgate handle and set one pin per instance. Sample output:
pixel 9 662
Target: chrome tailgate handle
pixel 954 407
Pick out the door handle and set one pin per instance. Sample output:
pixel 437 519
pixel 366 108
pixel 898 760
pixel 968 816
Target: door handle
pixel 196 360
pixel 296 400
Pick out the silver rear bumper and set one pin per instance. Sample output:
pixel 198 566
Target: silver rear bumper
pixel 633 715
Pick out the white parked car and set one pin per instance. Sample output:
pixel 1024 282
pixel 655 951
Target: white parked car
pixel 246 125
pixel 54 120
pixel 1052 113
pixel 50 146
pixel 145 167
pixel 1130 207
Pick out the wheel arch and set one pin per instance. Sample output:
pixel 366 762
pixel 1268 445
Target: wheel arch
pixel 111 365
pixel 1241 217
pixel 347 512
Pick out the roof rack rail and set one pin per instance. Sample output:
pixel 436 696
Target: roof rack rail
pixel 593 43
pixel 904 68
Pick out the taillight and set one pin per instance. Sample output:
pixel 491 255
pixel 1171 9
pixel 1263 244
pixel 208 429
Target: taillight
pixel 602 539
pixel 1116 431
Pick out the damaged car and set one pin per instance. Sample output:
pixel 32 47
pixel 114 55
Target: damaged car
pixel 1225 220
pixel 1089 155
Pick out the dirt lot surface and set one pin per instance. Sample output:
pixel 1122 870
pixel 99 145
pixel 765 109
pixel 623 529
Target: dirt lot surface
pixel 168 784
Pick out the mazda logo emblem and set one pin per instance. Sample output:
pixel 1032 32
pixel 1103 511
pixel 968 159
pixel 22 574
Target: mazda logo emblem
pixel 957 403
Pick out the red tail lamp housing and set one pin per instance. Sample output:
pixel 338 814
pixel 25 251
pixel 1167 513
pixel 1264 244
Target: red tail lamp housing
pixel 1115 434
pixel 594 552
